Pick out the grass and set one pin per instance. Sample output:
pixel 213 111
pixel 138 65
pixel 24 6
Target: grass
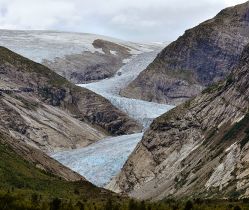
pixel 237 129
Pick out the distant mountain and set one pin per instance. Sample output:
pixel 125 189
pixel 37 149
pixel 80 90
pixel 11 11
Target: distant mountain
pixel 80 58
pixel 198 149
pixel 203 55
pixel 46 111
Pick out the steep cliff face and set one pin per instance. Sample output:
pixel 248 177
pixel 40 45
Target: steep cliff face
pixel 198 149
pixel 45 110
pixel 203 55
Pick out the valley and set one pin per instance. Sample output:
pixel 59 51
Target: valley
pixel 91 122
pixel 103 160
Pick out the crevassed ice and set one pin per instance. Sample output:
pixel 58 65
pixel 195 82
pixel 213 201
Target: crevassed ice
pixel 142 111
pixel 101 161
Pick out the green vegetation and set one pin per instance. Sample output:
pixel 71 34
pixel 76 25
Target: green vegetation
pixel 245 139
pixel 36 202
pixel 240 128
pixel 213 88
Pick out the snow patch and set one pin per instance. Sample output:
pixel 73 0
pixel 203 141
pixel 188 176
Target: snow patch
pixel 113 52
pixel 239 119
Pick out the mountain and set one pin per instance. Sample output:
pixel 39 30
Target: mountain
pixel 203 55
pixel 46 111
pixel 79 57
pixel 198 149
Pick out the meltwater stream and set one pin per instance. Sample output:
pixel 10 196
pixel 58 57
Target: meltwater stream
pixel 103 160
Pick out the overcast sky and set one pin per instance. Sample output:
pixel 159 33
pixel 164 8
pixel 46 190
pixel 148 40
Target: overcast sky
pixel 135 20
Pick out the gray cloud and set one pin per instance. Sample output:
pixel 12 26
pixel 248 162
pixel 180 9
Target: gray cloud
pixel 138 20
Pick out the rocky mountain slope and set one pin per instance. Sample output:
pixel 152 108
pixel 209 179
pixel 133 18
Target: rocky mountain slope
pixel 198 149
pixel 203 55
pixel 44 110
pixel 80 58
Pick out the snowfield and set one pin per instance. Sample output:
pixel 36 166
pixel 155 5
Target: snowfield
pixel 41 45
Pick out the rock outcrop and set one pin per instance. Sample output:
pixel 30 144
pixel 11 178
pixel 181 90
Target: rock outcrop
pixel 198 149
pixel 203 55
pixel 44 110
pixel 91 66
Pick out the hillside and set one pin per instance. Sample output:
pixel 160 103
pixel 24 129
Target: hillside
pixel 28 176
pixel 203 55
pixel 44 110
pixel 198 149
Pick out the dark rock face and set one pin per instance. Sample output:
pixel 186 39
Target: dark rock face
pixel 203 55
pixel 52 96
pixel 198 149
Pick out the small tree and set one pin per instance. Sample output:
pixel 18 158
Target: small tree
pixel 108 205
pixel 55 204
pixel 142 206
pixel 237 208
pixel 189 205
pixel 80 205
pixel 132 205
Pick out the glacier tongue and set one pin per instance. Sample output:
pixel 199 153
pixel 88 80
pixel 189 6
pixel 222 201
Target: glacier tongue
pixel 102 161
pixel 142 111
pixel 124 75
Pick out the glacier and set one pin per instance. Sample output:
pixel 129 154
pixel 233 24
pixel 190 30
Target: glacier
pixel 103 160
pixel 100 161
pixel 142 111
